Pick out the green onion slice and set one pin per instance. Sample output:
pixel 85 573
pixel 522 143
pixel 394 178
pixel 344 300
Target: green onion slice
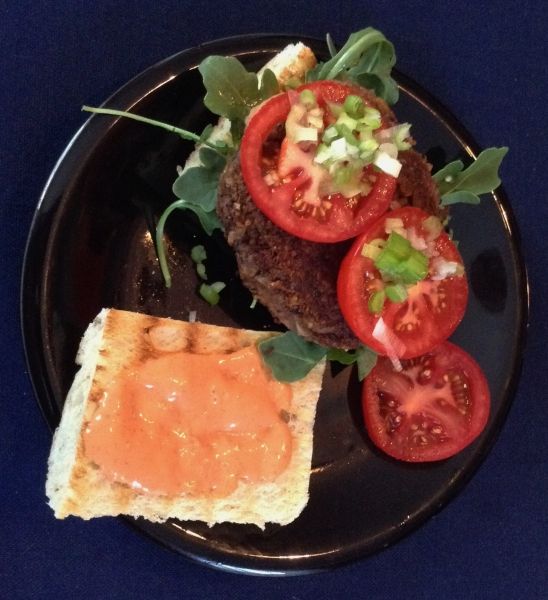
pixel 198 254
pixel 376 302
pixel 354 106
pixel 396 292
pixel 210 293
pixel 400 262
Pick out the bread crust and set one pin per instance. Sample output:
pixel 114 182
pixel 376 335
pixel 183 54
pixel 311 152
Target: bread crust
pixel 119 340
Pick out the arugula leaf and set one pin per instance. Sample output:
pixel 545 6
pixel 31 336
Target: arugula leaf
pixel 450 170
pixel 211 160
pixel 208 220
pixel 330 45
pixel 459 197
pixel 198 185
pixel 289 356
pixel 269 85
pixel 345 357
pixel 183 133
pixel 231 90
pixel 457 184
pixel 364 357
pixel 384 87
pixel 196 190
pixel 367 59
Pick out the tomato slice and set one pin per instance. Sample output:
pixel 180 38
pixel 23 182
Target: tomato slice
pixel 433 308
pixel 333 218
pixel 436 406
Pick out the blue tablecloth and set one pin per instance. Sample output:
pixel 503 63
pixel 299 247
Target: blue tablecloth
pixel 484 60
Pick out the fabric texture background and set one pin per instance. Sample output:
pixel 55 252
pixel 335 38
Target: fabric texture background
pixel 486 61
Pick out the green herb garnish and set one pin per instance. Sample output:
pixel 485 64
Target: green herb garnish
pixel 364 358
pixel 399 262
pixel 198 185
pixel 376 302
pixel 196 189
pixel 396 292
pixel 232 91
pixel 367 59
pixel 459 185
pixel 198 255
pixel 210 293
pixel 185 134
pixel 289 356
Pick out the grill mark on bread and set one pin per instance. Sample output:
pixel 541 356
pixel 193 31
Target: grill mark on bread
pixel 192 338
pixel 234 341
pixel 95 395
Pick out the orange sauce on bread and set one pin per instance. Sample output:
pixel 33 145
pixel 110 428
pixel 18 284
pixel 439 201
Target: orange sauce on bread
pixel 192 424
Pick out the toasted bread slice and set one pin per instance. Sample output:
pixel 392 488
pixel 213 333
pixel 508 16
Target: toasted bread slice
pixel 118 340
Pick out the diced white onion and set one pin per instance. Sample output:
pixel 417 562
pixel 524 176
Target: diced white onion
pixel 443 268
pixel 391 166
pixel 192 316
pixel 415 240
pixel 433 226
pixel 304 134
pixel 350 192
pixel 396 225
pixel 392 344
pixel 323 155
pixel 338 149
pixel 316 122
pixel 396 135
pixel 389 149
pixel 384 135
pixel 373 248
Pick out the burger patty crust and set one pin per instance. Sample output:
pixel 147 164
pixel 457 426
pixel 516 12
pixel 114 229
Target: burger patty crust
pixel 296 280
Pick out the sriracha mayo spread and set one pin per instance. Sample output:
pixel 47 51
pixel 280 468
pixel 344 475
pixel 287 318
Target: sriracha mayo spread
pixel 197 424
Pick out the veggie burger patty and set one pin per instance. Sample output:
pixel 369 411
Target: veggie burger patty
pixel 296 280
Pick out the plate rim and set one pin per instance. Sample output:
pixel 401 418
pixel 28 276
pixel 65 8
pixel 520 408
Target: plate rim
pixel 131 93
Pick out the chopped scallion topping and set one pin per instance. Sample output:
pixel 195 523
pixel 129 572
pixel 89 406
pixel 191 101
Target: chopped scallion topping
pixel 347 121
pixel 396 292
pixel 433 226
pixel 371 118
pixel 330 134
pixel 308 98
pixel 376 301
pixel 399 262
pixel 201 270
pixel 373 248
pixel 198 254
pixel 210 293
pixel 354 106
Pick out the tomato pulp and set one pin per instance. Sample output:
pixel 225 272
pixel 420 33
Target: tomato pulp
pixel 433 307
pixel 436 406
pixel 331 219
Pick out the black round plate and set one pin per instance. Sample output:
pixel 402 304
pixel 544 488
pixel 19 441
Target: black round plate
pixel 90 247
